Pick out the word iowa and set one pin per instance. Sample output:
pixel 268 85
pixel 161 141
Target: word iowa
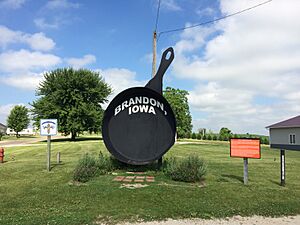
pixel 140 104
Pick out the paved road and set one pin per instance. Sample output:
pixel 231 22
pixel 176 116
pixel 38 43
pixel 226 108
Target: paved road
pixel 26 142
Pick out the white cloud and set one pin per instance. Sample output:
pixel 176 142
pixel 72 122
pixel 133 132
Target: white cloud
pixel 192 40
pixel 12 4
pixel 120 79
pixel 227 107
pixel 205 12
pixel 43 24
pixel 24 60
pixel 49 20
pixel 8 36
pixel 253 55
pixel 170 5
pixel 214 98
pixel 37 41
pixel 61 4
pixel 29 81
pixel 21 68
pixel 81 62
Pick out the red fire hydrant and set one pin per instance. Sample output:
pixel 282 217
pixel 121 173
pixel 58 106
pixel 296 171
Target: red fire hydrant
pixel 1 155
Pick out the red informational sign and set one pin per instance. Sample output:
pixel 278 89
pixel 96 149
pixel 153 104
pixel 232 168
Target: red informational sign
pixel 245 148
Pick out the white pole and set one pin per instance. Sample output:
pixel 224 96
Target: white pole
pixel 48 152
pixel 58 158
pixel 282 167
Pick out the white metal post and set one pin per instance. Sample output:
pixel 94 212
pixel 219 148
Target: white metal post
pixel 48 152
pixel 282 167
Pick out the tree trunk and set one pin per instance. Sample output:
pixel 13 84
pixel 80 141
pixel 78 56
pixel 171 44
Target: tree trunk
pixel 73 135
pixel 17 134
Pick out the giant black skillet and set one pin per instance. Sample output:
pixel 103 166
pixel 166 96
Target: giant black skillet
pixel 139 125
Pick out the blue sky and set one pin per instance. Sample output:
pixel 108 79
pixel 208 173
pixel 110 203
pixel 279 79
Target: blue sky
pixel 242 72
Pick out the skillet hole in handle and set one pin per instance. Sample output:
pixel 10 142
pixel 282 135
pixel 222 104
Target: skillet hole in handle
pixel 168 54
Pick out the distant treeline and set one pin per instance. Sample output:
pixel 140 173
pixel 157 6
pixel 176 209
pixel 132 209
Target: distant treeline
pixel 218 137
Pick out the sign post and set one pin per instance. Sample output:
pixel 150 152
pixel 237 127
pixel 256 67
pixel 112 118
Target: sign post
pixel 48 152
pixel 245 171
pixel 282 167
pixel 245 148
pixel 48 128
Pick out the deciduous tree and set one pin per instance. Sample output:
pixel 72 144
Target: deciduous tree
pixel 74 97
pixel 179 103
pixel 18 119
pixel 224 131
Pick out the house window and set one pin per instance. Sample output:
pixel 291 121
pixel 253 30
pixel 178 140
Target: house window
pixel 292 139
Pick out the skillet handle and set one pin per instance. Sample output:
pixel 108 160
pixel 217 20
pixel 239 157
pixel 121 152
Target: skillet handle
pixel 156 82
pixel 164 62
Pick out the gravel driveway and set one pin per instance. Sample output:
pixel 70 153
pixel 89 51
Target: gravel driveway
pixel 236 220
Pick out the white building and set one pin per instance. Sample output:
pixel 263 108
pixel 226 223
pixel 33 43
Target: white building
pixel 27 131
pixel 285 134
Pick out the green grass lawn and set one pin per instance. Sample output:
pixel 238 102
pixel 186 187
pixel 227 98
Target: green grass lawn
pixel 22 137
pixel 31 195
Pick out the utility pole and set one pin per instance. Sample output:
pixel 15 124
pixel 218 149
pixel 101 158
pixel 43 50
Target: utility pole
pixel 160 160
pixel 154 54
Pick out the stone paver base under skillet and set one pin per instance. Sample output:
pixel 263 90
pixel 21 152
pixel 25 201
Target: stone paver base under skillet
pixel 135 179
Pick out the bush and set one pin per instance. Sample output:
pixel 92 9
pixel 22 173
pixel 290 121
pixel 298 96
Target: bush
pixel 225 138
pixel 190 169
pixel 86 168
pixel 267 141
pixel 209 137
pixel 264 140
pixel 105 164
pixel 89 167
pixel 1 135
pixel 194 136
pixel 215 137
pixel 199 136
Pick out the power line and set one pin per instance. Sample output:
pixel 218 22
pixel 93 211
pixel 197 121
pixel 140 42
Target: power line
pixel 157 15
pixel 215 20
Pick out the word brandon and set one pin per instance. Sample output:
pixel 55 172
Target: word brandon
pixel 140 104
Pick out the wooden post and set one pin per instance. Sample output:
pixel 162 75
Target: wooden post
pixel 48 152
pixel 58 158
pixel 282 167
pixel 245 171
pixel 154 55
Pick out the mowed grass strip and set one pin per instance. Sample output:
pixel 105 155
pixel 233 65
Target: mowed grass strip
pixel 31 195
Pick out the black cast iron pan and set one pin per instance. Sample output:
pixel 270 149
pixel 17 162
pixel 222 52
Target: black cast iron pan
pixel 139 125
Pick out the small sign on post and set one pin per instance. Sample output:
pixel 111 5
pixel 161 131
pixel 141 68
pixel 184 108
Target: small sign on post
pixel 48 127
pixel 245 148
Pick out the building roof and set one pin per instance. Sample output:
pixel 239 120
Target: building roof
pixel 292 122
pixel 2 125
